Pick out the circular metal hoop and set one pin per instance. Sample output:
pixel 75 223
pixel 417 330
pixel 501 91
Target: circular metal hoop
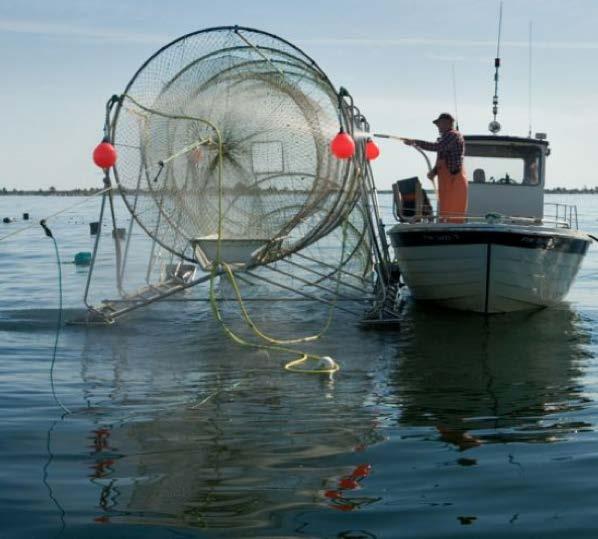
pixel 225 131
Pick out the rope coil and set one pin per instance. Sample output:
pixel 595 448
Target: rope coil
pixel 273 343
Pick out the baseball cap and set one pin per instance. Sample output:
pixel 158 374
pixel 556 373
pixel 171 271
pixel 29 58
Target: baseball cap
pixel 443 116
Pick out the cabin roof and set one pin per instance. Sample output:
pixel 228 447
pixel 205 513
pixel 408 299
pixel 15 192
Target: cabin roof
pixel 499 138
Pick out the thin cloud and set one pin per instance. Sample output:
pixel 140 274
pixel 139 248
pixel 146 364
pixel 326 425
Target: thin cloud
pixel 455 59
pixel 67 30
pixel 424 41
pixel 445 57
pixel 23 26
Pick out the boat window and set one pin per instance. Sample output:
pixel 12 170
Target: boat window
pixel 503 164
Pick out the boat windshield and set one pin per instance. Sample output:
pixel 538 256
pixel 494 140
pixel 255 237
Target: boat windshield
pixel 507 164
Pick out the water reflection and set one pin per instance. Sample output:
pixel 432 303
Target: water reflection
pixel 273 454
pixel 509 378
pixel 268 444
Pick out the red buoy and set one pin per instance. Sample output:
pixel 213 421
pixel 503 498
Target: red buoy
pixel 361 471
pixel 343 145
pixel 104 155
pixel 343 506
pixel 348 483
pixel 372 150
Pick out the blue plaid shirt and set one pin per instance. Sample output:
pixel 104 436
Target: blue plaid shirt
pixel 450 147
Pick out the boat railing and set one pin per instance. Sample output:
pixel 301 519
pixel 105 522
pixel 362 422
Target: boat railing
pixel 563 213
pixel 559 218
pixel 555 215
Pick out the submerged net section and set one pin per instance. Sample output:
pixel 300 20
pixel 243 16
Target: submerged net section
pixel 224 133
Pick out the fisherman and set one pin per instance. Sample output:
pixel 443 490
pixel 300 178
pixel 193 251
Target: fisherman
pixel 452 182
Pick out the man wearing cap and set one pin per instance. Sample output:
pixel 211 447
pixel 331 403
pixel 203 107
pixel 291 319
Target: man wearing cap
pixel 452 182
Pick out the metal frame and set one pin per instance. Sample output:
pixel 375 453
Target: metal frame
pixel 307 60
pixel 380 296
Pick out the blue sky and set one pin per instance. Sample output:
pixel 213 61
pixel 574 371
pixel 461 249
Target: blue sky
pixel 61 60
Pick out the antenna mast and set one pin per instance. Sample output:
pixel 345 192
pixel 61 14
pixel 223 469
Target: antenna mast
pixel 455 97
pixel 529 88
pixel 494 126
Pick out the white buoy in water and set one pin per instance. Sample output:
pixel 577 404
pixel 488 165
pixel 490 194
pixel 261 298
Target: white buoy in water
pixel 326 363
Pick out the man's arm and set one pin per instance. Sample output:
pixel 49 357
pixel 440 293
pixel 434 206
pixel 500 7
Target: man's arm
pixel 442 145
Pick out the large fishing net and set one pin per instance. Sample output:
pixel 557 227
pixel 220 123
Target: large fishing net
pixel 223 137
pixel 224 162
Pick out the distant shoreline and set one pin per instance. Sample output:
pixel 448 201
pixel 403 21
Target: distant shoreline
pixel 93 190
pixel 50 192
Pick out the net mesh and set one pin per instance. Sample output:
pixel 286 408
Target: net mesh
pixel 225 133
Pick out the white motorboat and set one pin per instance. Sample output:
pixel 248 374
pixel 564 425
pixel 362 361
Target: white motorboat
pixel 511 252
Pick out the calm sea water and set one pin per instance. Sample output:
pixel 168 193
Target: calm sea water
pixel 456 426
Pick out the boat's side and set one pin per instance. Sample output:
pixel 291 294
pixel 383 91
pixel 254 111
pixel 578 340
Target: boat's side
pixel 488 269
pixel 454 276
pixel 523 278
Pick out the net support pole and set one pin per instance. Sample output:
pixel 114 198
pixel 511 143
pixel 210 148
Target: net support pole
pixel 299 292
pixel 95 253
pixel 117 245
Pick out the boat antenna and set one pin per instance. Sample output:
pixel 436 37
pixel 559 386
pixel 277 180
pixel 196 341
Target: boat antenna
pixel 494 127
pixel 455 98
pixel 529 85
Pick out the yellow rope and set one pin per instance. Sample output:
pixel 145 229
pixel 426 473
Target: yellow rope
pixel 251 323
pixel 294 364
pixel 231 277
pixel 289 366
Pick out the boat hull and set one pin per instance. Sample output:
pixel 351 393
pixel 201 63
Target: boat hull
pixel 488 269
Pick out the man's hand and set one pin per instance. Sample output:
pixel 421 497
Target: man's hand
pixel 408 141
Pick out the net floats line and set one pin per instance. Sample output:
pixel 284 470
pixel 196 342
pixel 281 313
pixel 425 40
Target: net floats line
pixel 51 216
pixel 59 321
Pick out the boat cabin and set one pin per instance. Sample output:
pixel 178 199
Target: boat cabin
pixel 506 175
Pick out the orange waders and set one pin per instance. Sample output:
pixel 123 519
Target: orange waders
pixel 452 194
